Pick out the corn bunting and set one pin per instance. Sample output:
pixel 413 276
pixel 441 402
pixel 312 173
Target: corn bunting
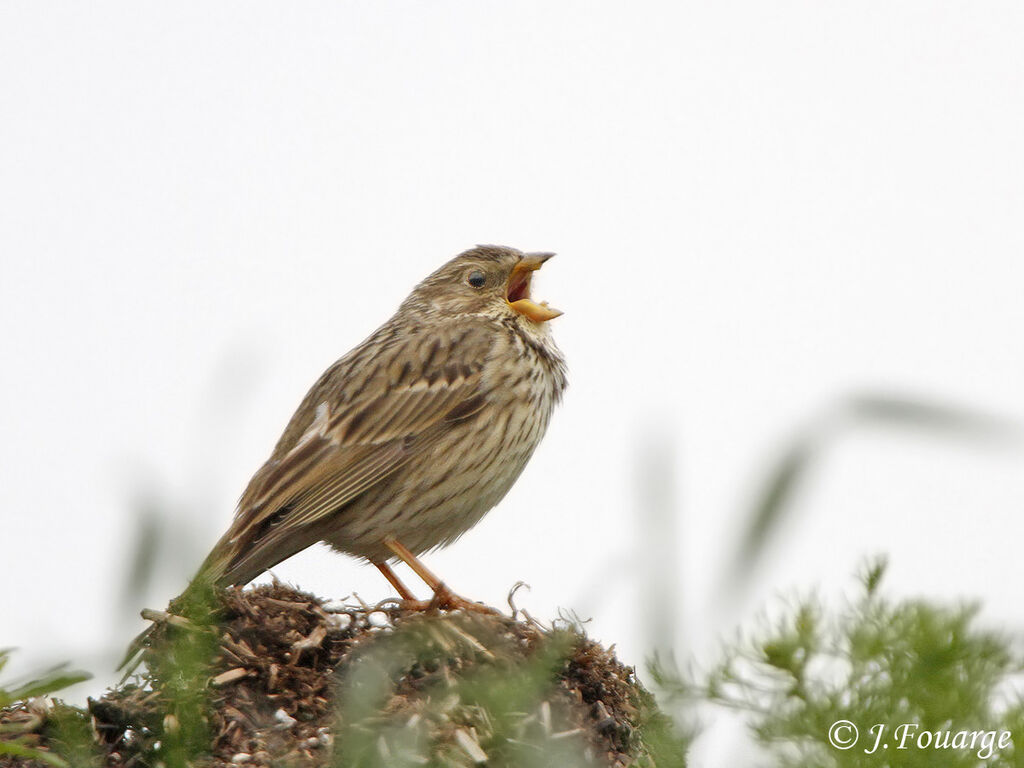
pixel 405 442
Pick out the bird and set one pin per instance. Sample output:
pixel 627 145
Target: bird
pixel 404 443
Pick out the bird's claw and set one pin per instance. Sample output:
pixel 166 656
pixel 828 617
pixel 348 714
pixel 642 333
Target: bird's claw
pixel 446 600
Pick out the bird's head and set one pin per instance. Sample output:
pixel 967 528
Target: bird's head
pixel 487 280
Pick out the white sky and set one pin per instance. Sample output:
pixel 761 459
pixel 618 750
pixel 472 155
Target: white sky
pixel 759 208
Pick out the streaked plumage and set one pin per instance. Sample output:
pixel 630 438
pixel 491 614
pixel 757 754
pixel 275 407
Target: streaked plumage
pixel 408 440
pixel 415 433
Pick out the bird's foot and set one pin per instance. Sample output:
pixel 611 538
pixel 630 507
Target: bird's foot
pixel 446 600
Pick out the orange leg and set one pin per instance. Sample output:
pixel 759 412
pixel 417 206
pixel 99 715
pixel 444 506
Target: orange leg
pixel 443 597
pixel 391 576
pixel 413 562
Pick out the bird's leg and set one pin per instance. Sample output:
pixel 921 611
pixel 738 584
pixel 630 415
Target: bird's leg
pixel 409 601
pixel 443 597
pixel 392 577
pixel 413 562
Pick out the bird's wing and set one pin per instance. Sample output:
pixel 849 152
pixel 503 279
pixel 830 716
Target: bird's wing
pixel 394 412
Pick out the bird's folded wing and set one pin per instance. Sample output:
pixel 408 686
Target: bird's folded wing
pixel 340 455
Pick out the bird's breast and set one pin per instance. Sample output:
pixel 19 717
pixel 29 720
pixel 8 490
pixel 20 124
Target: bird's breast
pixel 444 491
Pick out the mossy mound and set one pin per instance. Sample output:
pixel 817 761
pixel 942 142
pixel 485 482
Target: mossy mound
pixel 271 676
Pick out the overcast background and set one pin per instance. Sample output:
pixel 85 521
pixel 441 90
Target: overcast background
pixel 759 208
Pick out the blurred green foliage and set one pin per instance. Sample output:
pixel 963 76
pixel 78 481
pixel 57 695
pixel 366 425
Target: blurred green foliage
pixel 184 671
pixel 878 664
pixel 497 704
pixel 53 680
pixel 404 699
pixel 67 727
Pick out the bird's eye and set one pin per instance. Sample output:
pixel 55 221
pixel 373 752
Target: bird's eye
pixel 476 278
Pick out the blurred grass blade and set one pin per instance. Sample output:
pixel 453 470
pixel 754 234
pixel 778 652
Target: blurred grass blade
pixel 149 513
pixel 658 516
pixel 904 411
pixel 16 750
pixel 775 502
pixel 52 680
pixel 772 505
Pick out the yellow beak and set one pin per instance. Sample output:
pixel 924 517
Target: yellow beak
pixel 518 292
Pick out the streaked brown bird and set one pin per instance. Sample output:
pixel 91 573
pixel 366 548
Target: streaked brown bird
pixel 404 443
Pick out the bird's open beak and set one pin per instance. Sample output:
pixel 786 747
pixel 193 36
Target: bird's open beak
pixel 518 292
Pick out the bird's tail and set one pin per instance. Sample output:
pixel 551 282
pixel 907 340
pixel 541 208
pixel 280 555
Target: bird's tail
pixel 240 556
